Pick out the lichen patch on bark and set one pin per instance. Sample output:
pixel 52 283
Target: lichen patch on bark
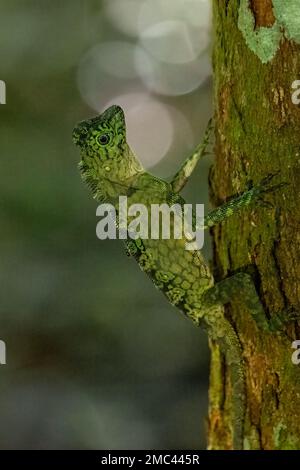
pixel 263 40
pixel 265 24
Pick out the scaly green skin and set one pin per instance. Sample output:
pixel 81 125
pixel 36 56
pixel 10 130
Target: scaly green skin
pixel 111 169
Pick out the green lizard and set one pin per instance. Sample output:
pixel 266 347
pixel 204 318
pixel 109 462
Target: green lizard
pixel 111 169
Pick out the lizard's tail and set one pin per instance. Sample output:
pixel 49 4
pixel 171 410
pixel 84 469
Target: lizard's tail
pixel 230 346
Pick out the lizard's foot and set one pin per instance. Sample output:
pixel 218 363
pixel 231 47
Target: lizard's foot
pixel 265 186
pixel 281 319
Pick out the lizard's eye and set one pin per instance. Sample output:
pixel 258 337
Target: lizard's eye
pixel 104 139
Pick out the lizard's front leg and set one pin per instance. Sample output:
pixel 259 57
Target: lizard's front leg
pixel 186 170
pixel 241 202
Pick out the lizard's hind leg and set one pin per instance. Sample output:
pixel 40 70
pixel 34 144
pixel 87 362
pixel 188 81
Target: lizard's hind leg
pixel 241 287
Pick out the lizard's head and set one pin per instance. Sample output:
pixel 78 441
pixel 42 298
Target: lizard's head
pixel 107 164
pixel 103 136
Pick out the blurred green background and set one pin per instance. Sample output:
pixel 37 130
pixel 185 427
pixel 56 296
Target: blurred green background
pixel 96 357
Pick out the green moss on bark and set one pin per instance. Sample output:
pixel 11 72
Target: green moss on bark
pixel 257 133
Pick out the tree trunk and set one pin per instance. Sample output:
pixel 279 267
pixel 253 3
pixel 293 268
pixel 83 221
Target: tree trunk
pixel 256 60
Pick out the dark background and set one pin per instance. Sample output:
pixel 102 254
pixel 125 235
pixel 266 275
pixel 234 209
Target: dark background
pixel 96 357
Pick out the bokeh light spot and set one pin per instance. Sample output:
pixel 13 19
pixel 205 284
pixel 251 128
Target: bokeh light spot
pixel 106 70
pixel 172 79
pixel 172 41
pixel 124 14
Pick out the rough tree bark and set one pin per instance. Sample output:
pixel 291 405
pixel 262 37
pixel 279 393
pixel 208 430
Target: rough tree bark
pixel 256 60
